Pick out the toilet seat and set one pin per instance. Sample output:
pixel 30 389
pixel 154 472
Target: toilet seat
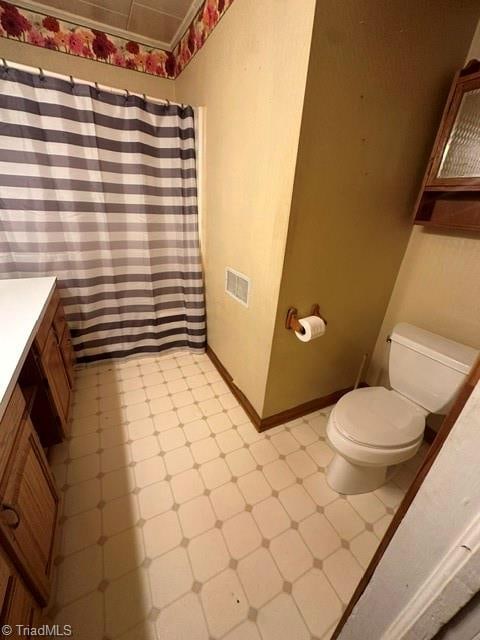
pixel 379 418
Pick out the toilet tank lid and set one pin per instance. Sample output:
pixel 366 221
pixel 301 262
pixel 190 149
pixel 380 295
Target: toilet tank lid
pixel 450 353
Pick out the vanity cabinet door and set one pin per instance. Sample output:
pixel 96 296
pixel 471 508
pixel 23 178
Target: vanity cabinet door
pixel 68 355
pixel 28 515
pixel 57 379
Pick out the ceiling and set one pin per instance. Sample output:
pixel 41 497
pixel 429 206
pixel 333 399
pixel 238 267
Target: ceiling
pixel 157 22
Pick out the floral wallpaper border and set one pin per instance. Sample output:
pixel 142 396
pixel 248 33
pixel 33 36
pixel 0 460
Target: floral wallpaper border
pixel 49 32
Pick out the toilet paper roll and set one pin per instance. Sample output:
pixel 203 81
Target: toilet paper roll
pixel 313 326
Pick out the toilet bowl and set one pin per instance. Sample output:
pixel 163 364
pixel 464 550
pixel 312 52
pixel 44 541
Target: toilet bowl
pixel 370 430
pixel 374 428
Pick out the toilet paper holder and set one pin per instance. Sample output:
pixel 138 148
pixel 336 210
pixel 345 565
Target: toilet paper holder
pixel 291 321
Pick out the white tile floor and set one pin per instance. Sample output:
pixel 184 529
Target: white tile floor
pixel 181 522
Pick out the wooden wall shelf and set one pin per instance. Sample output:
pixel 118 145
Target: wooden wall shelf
pixel 450 194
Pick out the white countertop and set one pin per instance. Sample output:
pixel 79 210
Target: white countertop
pixel 23 302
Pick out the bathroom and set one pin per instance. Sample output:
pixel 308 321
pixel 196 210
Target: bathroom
pixel 180 458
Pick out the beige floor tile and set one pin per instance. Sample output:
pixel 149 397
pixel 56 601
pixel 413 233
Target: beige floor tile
pixel 368 506
pixel 79 573
pixel 149 471
pixel 123 552
pixel 81 531
pixel 254 487
pixel 297 502
pixel 82 497
pixel 215 473
pixel 219 422
pixel 83 469
pixel 317 601
pixel 390 494
pixel 224 603
pixel 161 534
pixel 241 535
pixel 304 434
pixel 196 516
pixel 182 399
pixel 240 462
pixel 208 555
pixel 84 445
pixel 228 401
pixel 301 464
pixel 320 536
pixel 263 452
pixel 178 460
pixel 246 631
pixel 170 577
pixel 317 487
pixel 280 619
pixel 196 430
pixel 145 630
pixel 227 501
pixel 249 434
pixel 318 423
pixel 117 483
pixel 113 458
pixel 321 453
pixel 205 450
pixel 166 420
pixel 156 391
pixel 176 386
pixel 259 563
pixel 131 588
pixel 133 397
pixel 114 436
pixel 237 415
pixel 119 514
pixel 203 393
pixel 344 518
pixel 187 485
pixel 160 405
pixel 183 620
pixel 85 616
pixel 171 439
pixel 154 499
pixel 270 517
pixel 382 525
pixel 189 413
pixel 144 448
pixel 291 554
pixel 344 572
pixel 284 443
pixel 279 475
pixel 363 547
pixel 139 429
pixel 196 381
pixel 229 441
pixel 82 426
pixel 210 407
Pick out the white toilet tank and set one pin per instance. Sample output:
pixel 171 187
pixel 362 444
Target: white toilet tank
pixel 427 368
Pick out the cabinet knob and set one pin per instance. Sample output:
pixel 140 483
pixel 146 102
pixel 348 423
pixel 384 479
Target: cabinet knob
pixel 9 515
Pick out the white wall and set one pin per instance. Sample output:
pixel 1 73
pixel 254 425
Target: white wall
pixel 447 503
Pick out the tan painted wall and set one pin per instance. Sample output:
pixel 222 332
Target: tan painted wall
pixel 87 69
pixel 250 76
pixel 438 286
pixel 377 81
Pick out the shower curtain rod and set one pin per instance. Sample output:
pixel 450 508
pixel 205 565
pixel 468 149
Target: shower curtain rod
pixel 103 87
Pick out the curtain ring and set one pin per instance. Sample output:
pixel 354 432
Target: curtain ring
pixel 127 95
pixel 97 89
pixel 5 66
pixel 72 83
pixel 41 74
pixel 144 98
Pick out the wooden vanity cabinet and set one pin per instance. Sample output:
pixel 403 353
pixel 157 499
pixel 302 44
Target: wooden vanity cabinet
pixel 54 360
pixel 18 605
pixel 28 501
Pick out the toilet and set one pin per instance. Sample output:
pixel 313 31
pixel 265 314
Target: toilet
pixel 371 429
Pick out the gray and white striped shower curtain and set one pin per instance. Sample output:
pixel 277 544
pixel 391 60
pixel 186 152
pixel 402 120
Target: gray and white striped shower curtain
pixel 99 189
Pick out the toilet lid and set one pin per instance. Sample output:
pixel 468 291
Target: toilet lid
pixel 378 417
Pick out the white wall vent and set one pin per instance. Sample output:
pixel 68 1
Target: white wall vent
pixel 237 285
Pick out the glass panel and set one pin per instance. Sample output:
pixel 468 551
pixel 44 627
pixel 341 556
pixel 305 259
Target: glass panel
pixel 461 158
